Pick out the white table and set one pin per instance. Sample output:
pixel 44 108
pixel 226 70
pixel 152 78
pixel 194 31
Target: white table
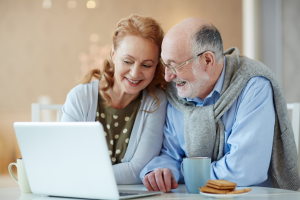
pixel 257 193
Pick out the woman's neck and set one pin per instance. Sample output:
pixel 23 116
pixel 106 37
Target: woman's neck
pixel 119 98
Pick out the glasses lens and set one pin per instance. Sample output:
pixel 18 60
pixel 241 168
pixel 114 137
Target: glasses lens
pixel 167 66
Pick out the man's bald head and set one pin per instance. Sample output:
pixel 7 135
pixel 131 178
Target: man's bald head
pixel 187 27
pixel 194 35
pixel 182 33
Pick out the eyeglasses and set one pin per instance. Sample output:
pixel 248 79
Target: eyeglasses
pixel 175 69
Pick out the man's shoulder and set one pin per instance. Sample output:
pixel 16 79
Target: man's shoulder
pixel 244 67
pixel 172 111
pixel 257 82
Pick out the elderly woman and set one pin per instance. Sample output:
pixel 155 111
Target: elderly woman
pixel 127 97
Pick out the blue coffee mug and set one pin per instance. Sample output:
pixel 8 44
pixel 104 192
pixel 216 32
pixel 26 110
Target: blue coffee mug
pixel 196 172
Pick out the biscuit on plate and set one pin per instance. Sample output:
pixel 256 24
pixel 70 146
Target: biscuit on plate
pixel 240 191
pixel 207 189
pixel 222 183
pixel 220 187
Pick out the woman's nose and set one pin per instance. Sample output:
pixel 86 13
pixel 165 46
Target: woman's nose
pixel 135 70
pixel 169 74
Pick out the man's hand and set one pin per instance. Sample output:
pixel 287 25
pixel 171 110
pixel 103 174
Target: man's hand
pixel 160 180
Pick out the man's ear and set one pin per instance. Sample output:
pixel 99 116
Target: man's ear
pixel 209 60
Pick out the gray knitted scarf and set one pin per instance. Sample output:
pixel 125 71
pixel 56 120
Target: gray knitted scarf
pixel 204 129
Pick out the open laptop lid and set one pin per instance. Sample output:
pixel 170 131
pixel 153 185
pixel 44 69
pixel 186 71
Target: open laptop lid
pixel 67 159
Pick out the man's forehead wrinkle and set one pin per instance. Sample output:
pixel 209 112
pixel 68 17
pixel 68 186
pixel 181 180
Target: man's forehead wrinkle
pixel 175 42
pixel 174 50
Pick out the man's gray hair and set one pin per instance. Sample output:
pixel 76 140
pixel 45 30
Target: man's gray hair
pixel 208 38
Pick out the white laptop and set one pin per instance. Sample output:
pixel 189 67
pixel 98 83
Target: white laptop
pixel 69 159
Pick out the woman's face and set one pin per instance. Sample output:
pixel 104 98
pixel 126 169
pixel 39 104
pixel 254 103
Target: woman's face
pixel 135 62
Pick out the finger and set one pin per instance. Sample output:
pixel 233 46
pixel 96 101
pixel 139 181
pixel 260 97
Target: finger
pixel 173 182
pixel 159 180
pixel 147 184
pixel 167 179
pixel 152 181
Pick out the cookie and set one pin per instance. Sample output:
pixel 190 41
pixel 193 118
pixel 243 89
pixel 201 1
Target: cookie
pixel 220 187
pixel 207 189
pixel 240 191
pixel 222 183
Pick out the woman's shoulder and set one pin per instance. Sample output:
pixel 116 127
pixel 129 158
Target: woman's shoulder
pixel 81 102
pixel 159 93
pixel 85 89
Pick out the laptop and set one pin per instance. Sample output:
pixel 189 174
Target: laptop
pixel 69 159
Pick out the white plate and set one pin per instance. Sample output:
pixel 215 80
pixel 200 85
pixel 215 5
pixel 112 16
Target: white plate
pixel 223 196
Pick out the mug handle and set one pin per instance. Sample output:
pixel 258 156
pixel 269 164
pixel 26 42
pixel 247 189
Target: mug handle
pixel 11 173
pixel 182 167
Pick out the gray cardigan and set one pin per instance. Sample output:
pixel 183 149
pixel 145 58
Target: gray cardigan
pixel 147 134
pixel 206 137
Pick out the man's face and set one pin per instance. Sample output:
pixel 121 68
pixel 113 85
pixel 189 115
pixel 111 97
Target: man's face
pixel 189 82
pixel 191 79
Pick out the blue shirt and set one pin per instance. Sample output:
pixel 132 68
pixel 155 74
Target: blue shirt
pixel 249 129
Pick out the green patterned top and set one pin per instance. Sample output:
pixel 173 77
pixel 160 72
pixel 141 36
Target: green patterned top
pixel 117 124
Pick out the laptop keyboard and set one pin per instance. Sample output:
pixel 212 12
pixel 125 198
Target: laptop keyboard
pixel 127 194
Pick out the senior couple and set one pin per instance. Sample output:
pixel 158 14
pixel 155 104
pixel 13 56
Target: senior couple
pixel 219 105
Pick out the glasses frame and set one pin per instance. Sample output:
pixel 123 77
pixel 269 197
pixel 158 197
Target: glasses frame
pixel 175 69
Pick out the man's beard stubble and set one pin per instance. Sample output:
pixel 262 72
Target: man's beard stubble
pixel 195 86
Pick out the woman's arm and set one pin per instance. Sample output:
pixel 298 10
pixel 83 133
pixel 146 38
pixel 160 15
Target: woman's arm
pixel 149 145
pixel 70 108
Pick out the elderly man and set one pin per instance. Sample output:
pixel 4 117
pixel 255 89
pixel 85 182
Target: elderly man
pixel 224 106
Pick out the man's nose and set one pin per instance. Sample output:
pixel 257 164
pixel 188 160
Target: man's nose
pixel 169 74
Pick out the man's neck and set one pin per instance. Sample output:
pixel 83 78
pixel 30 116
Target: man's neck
pixel 211 83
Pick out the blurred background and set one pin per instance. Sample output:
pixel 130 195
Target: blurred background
pixel 47 45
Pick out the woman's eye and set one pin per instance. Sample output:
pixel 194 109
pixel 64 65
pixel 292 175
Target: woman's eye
pixel 126 62
pixel 147 66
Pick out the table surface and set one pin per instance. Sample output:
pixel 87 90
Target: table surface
pixel 257 193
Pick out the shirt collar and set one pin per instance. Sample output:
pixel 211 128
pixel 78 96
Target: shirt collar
pixel 214 95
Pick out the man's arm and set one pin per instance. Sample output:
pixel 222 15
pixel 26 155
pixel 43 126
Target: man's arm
pixel 249 142
pixel 153 176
